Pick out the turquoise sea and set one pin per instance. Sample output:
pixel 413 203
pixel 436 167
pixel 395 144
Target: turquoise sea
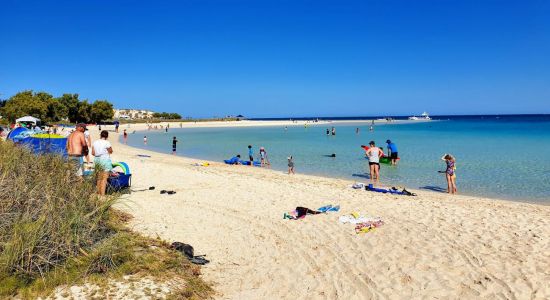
pixel 505 157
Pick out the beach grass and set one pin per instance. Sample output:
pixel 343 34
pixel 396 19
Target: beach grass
pixel 54 231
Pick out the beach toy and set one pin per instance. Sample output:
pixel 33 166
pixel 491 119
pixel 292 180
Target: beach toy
pixel 124 166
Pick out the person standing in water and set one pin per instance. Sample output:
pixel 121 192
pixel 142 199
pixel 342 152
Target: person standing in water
pixel 290 165
pixel 174 143
pixel 392 147
pixel 263 157
pixel 328 131
pixel 450 173
pixel 145 140
pixel 357 130
pixel 333 131
pixel 125 135
pixel 251 155
pixel 374 153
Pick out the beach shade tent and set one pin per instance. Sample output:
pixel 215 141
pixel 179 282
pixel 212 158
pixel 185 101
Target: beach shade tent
pixel 44 143
pixel 17 134
pixel 28 119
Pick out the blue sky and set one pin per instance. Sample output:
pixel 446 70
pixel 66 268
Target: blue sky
pixel 283 58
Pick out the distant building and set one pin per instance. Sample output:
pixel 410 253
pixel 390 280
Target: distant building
pixel 132 114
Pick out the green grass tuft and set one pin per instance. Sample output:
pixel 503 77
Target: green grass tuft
pixel 54 230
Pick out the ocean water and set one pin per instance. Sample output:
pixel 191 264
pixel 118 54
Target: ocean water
pixel 505 157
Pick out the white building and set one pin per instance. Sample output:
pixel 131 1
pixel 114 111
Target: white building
pixel 132 114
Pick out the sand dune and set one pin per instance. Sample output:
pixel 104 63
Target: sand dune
pixel 431 246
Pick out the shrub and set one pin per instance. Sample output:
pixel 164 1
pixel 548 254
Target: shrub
pixel 47 214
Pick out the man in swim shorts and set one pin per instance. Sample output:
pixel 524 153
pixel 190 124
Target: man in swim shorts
pixel 76 147
pixel 393 152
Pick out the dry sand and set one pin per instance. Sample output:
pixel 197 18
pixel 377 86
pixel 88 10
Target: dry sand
pixel 431 246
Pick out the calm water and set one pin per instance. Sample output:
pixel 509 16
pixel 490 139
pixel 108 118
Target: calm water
pixel 506 157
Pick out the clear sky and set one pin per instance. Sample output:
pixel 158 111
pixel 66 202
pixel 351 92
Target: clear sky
pixel 283 58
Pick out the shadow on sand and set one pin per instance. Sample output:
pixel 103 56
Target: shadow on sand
pixel 433 188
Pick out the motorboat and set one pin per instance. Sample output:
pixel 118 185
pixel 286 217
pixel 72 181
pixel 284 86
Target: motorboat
pixel 424 117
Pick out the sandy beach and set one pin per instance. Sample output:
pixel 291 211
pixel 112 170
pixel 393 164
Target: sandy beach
pixel 430 246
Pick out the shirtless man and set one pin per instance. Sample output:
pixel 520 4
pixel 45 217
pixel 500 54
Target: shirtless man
pixel 75 146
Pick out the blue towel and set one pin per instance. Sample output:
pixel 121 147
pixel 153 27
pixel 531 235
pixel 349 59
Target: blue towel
pixel 324 208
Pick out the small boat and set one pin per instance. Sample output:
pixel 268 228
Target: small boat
pixel 424 117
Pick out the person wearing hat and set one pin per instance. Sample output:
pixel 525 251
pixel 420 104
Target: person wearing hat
pixel 77 147
pixel 392 147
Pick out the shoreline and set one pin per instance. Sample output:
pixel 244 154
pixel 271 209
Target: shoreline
pixel 432 245
pixel 277 123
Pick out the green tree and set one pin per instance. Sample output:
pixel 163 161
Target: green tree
pixel 71 104
pixel 43 97
pixel 101 110
pixel 84 112
pixel 56 110
pixel 26 103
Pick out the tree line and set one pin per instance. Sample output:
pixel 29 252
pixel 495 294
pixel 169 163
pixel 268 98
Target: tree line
pixel 167 116
pixel 52 109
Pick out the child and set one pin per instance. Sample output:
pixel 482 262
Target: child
pixel 145 140
pixel 450 173
pixel 263 156
pixel 290 165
